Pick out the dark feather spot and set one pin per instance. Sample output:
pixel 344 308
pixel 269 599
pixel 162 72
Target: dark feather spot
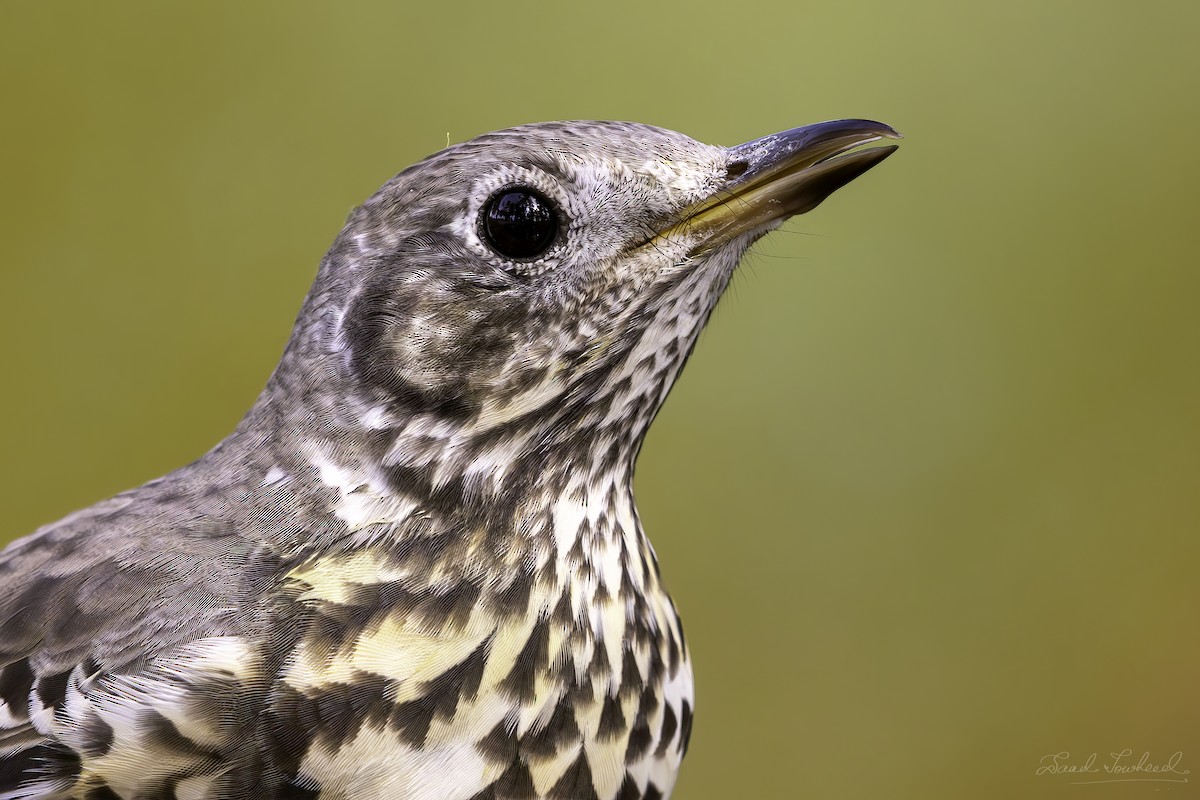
pixel 560 731
pixel 667 733
pixel 16 682
pixel 576 783
pixel 45 761
pixel 629 789
pixel 291 791
pixel 412 720
pixel 500 745
pixel 631 678
pixel 367 698
pixel 648 703
pixel 96 736
pixel 333 715
pixel 52 690
pixel 335 627
pixel 639 742
pixel 516 783
pixel 16 767
pixel 674 655
pixel 513 600
pixel 685 726
pixel 533 658
pixel 598 667
pixel 612 719
pixel 461 680
pixel 580 693
pixel 161 733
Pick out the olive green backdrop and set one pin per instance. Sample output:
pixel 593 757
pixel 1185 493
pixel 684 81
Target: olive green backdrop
pixel 929 493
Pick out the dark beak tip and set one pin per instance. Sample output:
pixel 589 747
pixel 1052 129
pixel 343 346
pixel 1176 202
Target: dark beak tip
pixel 821 140
pixel 887 131
pixel 867 126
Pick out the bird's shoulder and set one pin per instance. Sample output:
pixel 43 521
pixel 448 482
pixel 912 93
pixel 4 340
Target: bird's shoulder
pixel 143 624
pixel 126 578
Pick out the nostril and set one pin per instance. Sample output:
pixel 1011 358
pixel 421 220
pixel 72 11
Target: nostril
pixel 736 169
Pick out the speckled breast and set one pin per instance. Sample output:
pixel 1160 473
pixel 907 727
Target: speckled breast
pixel 554 677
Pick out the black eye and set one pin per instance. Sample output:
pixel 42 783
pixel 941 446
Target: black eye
pixel 520 222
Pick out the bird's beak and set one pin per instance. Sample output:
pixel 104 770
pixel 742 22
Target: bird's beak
pixel 781 175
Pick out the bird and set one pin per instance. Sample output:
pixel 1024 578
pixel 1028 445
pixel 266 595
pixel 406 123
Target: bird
pixel 415 569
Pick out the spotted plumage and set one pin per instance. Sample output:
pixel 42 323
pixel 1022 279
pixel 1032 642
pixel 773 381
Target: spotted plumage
pixel 415 570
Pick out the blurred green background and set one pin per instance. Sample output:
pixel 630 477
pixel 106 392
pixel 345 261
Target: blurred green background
pixel 929 493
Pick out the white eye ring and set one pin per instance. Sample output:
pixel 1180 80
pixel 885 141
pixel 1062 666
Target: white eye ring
pixel 486 190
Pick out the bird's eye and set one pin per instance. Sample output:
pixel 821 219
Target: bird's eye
pixel 520 223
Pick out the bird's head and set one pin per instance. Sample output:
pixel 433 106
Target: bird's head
pixel 547 280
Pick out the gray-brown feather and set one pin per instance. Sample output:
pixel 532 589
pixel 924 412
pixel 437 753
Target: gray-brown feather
pixel 443 459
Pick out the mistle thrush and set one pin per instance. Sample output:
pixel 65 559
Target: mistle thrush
pixel 415 570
